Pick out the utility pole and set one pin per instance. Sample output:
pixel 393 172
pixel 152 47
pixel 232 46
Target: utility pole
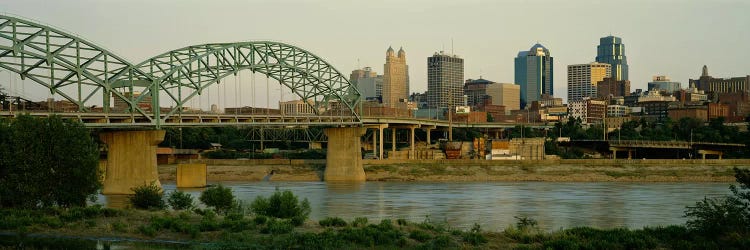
pixel 450 115
pixel 604 122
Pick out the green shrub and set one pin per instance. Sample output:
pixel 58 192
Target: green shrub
pixel 420 235
pixel 218 197
pixel 52 222
pixel 402 222
pixel 474 236
pixel 148 196
pixel 297 220
pixel 147 230
pixel 382 234
pixel 179 200
pixel 260 219
pixel 119 227
pixel 332 222
pixel 442 242
pixel 278 227
pixel 178 224
pixel 209 222
pixel 360 222
pixel 90 223
pixel 237 223
pixel 525 223
pixel 282 205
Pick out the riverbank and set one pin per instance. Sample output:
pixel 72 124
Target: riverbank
pixel 94 227
pixel 589 170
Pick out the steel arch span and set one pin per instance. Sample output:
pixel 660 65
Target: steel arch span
pixel 81 71
pixel 65 64
pixel 186 72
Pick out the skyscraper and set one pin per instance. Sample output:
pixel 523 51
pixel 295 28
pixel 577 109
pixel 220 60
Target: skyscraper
pixel 395 78
pixel 583 79
pixel 368 82
pixel 611 51
pixel 357 74
pixel 445 80
pixel 534 74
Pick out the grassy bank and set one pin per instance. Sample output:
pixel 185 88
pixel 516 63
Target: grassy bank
pixel 207 230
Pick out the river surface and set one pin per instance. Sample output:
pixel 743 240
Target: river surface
pixel 493 205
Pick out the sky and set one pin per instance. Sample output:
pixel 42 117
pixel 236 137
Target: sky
pixel 662 37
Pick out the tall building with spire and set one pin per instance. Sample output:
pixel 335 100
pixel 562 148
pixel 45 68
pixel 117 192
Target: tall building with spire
pixel 611 51
pixel 395 78
pixel 533 72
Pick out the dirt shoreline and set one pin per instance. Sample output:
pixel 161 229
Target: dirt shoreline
pixel 476 170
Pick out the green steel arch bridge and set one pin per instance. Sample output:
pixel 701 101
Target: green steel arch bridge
pixel 134 97
pixel 86 74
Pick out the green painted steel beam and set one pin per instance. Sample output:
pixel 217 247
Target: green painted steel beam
pixel 78 70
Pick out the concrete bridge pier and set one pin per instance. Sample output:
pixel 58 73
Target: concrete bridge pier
pixel 428 130
pixel 131 160
pixel 704 152
pixel 343 157
pixel 377 138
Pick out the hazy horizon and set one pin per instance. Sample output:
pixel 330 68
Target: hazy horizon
pixel 663 37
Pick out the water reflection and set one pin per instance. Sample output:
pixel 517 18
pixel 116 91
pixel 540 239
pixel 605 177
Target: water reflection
pixel 344 187
pixel 494 204
pixel 117 200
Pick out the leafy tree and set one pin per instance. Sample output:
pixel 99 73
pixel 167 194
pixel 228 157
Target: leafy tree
pixel 281 205
pixel 179 200
pixel 47 162
pixel 724 216
pixel 218 197
pixel 148 196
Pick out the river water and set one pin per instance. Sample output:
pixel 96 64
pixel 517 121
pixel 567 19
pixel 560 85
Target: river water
pixel 493 205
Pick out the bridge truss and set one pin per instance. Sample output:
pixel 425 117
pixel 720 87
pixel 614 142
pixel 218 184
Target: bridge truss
pixel 85 73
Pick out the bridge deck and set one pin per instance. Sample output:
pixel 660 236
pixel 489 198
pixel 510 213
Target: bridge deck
pixel 658 144
pixel 124 120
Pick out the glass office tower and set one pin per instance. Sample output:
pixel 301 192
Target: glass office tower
pixel 533 71
pixel 612 51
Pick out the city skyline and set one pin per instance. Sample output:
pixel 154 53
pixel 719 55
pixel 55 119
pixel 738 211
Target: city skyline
pixel 355 44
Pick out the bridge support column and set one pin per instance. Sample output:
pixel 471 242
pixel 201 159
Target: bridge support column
pixel 343 156
pixel 393 141
pixel 614 153
pixel 131 160
pixel 428 130
pixel 411 143
pixel 375 143
pixel 380 141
